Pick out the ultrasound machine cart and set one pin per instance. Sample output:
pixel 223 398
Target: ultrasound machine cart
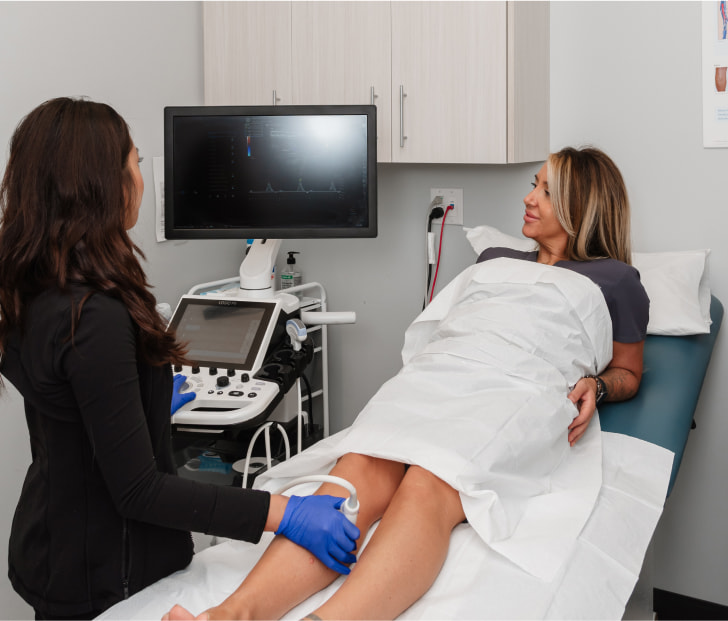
pixel 248 362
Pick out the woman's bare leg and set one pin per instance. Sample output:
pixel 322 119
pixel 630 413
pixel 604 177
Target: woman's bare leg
pixel 287 574
pixel 405 554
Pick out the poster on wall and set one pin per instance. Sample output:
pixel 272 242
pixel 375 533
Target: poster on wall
pixel 715 64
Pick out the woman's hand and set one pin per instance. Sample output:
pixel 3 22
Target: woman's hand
pixel 584 396
pixel 315 523
pixel 622 378
pixel 180 398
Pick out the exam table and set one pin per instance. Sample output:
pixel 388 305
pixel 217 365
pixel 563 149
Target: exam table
pixel 662 411
pixel 475 582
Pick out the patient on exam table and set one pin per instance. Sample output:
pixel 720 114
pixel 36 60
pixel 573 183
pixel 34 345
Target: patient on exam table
pixel 512 359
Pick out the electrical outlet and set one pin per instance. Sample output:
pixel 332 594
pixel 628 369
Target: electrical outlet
pixel 450 196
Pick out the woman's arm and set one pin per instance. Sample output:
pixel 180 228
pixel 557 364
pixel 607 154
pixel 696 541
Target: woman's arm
pixel 101 366
pixel 621 378
pixel 624 373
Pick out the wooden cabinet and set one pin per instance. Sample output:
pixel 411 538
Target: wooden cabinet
pixel 454 82
pixel 341 55
pixel 247 50
pixel 449 76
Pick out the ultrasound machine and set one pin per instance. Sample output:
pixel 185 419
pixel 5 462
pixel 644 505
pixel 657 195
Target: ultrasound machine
pixel 262 174
pixel 242 363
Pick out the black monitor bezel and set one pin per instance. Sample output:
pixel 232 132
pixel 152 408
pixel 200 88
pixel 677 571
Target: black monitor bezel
pixel 171 112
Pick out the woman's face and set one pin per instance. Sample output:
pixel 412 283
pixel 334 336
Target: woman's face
pixel 135 201
pixel 539 221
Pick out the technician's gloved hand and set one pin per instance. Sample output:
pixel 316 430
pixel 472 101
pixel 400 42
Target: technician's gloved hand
pixel 315 523
pixel 178 398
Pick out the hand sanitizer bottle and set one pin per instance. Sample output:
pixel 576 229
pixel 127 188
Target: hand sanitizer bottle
pixel 290 277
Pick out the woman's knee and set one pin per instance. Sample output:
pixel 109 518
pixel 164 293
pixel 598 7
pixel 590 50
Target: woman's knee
pixel 384 472
pixel 375 479
pixel 426 491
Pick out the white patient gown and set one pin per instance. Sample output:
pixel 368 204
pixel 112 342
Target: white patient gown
pixel 481 402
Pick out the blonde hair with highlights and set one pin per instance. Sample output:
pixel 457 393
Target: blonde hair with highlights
pixel 590 201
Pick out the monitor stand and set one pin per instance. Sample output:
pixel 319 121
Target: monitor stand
pixel 257 278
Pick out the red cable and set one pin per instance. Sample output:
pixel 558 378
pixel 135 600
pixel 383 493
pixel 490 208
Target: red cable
pixel 439 250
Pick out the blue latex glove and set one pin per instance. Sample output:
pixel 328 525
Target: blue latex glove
pixel 315 523
pixel 179 399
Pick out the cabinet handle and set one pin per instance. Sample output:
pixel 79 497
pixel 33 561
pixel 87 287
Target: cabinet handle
pixel 276 99
pixel 372 95
pixel 402 95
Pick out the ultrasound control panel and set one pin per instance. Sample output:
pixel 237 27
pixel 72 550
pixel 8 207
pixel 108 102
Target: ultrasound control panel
pixel 222 399
pixel 227 341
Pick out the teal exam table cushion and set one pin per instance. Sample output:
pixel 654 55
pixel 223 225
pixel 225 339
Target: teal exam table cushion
pixel 663 409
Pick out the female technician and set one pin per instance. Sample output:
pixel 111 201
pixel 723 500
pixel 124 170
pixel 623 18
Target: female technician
pixel 102 513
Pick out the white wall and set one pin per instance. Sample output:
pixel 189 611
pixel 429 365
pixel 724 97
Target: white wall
pixel 624 76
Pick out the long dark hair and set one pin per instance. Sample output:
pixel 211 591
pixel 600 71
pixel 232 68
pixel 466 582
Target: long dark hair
pixel 64 199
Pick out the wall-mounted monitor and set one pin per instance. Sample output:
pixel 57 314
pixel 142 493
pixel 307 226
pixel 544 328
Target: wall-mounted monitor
pixel 280 172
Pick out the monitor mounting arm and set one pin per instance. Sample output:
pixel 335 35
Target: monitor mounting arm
pixel 257 279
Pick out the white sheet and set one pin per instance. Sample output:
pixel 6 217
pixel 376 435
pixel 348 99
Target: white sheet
pixel 481 402
pixel 476 583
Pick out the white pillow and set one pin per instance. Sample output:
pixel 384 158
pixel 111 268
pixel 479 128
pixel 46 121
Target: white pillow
pixel 679 291
pixel 677 283
pixel 482 237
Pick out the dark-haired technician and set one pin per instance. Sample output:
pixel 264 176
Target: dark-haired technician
pixel 102 513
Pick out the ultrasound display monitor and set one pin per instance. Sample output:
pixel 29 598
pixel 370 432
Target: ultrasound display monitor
pixel 279 172
pixel 230 334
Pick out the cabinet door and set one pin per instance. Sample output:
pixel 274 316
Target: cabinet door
pixel 528 81
pixel 341 55
pixel 449 82
pixel 247 50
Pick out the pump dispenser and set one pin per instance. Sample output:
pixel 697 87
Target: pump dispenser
pixel 290 277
